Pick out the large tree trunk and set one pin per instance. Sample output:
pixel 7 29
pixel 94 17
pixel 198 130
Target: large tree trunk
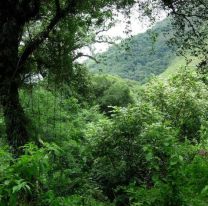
pixel 10 32
pixel 15 119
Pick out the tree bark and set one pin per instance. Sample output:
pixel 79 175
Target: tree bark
pixel 15 120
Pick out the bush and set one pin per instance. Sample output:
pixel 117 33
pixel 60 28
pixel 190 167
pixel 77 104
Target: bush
pixel 118 154
pixel 111 91
pixel 182 100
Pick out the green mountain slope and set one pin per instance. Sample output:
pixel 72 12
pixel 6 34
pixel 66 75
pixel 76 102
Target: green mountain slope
pixel 178 62
pixel 139 57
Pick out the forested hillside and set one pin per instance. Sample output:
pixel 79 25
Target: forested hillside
pixel 140 57
pixel 73 137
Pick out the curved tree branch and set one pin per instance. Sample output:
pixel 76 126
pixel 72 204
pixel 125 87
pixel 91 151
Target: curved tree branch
pixel 42 36
pixel 85 55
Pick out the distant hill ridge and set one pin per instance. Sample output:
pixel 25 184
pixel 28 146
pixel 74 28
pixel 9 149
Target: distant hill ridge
pixel 140 57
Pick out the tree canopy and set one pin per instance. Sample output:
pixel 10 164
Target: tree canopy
pixel 27 26
pixel 73 138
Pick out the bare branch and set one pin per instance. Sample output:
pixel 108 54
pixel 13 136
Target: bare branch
pixel 188 20
pixel 100 31
pixel 85 55
pixel 104 41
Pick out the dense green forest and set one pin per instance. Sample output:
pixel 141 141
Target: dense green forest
pixel 139 57
pixel 73 136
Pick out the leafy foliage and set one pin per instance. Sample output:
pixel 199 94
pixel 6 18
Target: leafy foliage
pixel 150 152
pixel 99 140
pixel 110 91
pixel 139 57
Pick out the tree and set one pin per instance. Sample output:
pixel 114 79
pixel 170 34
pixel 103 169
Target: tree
pixel 16 48
pixel 190 20
pixel 109 92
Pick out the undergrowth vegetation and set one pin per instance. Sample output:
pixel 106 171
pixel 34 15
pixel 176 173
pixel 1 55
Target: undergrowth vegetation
pixel 151 149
